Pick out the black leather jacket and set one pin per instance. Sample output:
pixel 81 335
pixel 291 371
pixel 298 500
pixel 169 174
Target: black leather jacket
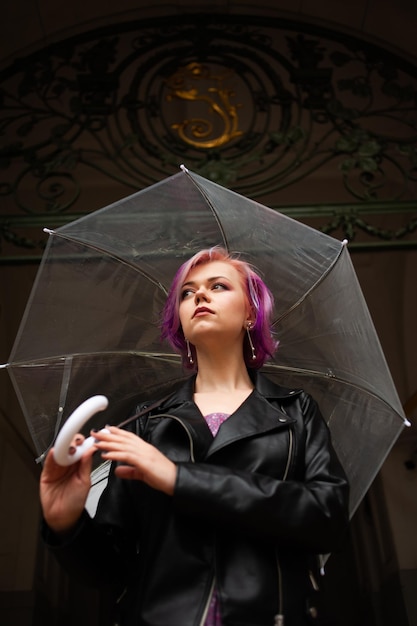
pixel 250 508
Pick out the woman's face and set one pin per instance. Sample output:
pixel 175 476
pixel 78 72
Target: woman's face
pixel 213 304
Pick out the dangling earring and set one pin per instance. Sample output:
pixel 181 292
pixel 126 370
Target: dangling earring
pixel 249 326
pixel 189 353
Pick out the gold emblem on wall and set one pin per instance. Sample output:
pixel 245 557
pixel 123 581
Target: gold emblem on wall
pixel 214 120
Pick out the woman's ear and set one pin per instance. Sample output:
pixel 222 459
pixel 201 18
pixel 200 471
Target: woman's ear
pixel 250 318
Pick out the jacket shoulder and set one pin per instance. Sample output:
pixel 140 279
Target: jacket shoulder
pixel 273 389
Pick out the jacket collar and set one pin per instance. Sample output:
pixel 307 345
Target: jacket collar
pixel 258 413
pixel 265 386
pixel 270 389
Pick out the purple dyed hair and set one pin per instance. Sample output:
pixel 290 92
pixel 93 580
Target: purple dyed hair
pixel 259 297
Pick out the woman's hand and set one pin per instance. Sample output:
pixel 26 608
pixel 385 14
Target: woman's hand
pixel 64 490
pixel 140 460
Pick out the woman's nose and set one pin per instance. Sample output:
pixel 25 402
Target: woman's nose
pixel 201 295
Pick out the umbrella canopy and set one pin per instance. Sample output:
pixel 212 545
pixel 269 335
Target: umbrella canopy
pixel 91 325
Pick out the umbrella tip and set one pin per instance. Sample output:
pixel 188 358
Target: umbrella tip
pixel 183 168
pixel 407 423
pixel 3 365
pixel 345 242
pixel 48 230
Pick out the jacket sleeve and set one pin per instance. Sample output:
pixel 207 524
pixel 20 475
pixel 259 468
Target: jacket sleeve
pixel 307 513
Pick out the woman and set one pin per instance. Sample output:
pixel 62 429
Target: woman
pixel 218 498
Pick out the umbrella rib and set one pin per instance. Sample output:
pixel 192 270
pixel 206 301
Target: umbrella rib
pixel 211 206
pixel 45 361
pixel 112 255
pixel 323 376
pixel 313 287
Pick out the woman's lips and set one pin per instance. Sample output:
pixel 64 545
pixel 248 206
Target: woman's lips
pixel 202 311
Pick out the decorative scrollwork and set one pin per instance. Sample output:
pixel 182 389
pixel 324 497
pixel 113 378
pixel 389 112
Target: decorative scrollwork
pixel 216 96
pixel 263 106
pixel 350 223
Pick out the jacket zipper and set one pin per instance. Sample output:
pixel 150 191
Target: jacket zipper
pixel 206 608
pixel 191 442
pixel 279 618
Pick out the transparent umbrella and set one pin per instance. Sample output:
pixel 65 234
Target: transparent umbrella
pixel 91 325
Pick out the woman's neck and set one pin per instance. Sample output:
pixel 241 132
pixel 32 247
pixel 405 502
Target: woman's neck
pixel 222 383
pixel 222 375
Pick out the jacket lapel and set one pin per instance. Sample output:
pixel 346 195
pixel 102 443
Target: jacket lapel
pixel 255 416
pixel 181 405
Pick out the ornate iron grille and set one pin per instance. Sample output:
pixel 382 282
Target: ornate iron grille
pixel 315 124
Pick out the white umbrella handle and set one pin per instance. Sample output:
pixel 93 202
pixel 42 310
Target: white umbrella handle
pixel 72 426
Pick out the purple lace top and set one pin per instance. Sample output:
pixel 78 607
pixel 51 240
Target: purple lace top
pixel 214 421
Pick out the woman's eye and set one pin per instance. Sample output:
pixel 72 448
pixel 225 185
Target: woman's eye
pixel 219 286
pixel 186 293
